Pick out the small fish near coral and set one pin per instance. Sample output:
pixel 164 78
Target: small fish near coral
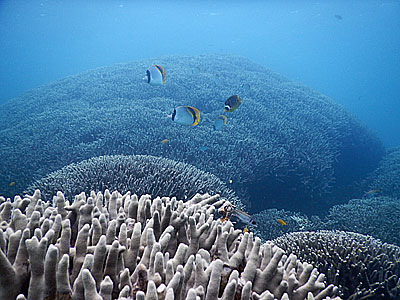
pixel 219 122
pixel 371 193
pixel 155 75
pixel 186 115
pixel 280 221
pixel 243 217
pixel 226 211
pixel 232 103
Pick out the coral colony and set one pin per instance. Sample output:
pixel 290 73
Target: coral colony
pixel 107 112
pixel 115 246
pixel 122 203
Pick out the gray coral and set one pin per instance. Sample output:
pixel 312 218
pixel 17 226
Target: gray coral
pixel 113 246
pixel 286 141
pixel 362 267
pixel 142 174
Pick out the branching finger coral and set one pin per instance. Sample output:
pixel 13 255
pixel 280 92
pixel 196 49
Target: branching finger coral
pixel 113 246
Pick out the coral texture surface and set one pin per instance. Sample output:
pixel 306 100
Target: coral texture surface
pixel 284 144
pixel 361 266
pixel 115 246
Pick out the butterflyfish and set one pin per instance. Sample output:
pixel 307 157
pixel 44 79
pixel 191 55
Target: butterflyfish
pixel 164 141
pixel 280 221
pixel 12 183
pixel 243 216
pixel 219 122
pixel 232 103
pixel 245 230
pixel 186 115
pixel 230 181
pixel 155 75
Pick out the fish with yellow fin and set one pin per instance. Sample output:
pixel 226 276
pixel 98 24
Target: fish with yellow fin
pixel 164 141
pixel 245 230
pixel 232 103
pixel 280 221
pixel 186 115
pixel 12 183
pixel 155 75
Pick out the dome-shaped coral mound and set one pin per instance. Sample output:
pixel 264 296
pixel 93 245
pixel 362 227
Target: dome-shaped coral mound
pixel 362 267
pixel 141 174
pixel 378 217
pixel 285 142
pixel 386 178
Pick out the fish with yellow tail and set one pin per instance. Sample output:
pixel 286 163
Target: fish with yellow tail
pixel 232 103
pixel 219 122
pixel 186 115
pixel 155 75
pixel 280 221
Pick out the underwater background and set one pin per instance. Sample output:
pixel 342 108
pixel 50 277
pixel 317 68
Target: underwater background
pixel 289 110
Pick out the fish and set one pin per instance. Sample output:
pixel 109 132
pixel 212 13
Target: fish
pixel 232 103
pixel 12 183
pixel 230 181
pixel 219 122
pixel 155 75
pixel 371 193
pixel 164 141
pixel 186 115
pixel 243 216
pixel 245 230
pixel 280 221
pixel 339 17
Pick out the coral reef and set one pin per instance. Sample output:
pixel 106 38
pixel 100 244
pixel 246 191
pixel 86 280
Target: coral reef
pixel 361 266
pixel 141 174
pixel 386 178
pixel 115 246
pixel 378 217
pixel 285 146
